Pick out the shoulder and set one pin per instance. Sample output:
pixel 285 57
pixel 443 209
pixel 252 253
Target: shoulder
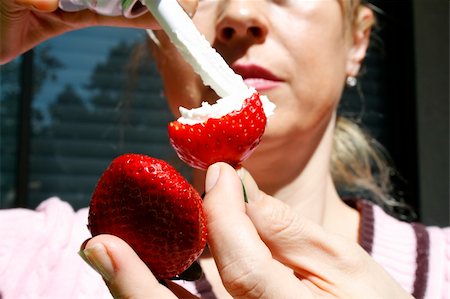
pixel 38 253
pixel 17 222
pixel 417 256
pixel 51 216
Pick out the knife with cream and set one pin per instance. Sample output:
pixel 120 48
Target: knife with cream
pixel 195 49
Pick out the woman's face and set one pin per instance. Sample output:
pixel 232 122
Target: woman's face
pixel 297 52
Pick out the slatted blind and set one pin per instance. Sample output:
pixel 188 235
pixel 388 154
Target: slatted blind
pixel 101 98
pixel 9 111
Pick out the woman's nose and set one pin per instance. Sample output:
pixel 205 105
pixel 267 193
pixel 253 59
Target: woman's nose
pixel 243 20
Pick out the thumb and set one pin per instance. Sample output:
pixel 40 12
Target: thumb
pixel 122 270
pixel 245 264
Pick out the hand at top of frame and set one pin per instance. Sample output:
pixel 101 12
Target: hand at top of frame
pixel 26 23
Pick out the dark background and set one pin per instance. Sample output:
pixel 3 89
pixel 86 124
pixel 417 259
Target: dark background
pixel 403 100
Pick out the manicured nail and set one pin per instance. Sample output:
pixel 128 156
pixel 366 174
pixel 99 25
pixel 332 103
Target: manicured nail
pixel 98 258
pixel 212 177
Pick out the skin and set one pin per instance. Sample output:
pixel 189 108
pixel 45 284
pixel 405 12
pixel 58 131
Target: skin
pixel 295 236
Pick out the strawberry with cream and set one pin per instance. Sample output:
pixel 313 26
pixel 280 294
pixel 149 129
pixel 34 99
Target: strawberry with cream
pixel 227 131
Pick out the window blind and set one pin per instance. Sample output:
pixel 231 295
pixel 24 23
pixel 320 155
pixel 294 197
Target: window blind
pixel 9 112
pixel 100 97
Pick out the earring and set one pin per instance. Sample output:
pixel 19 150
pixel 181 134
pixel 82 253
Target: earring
pixel 351 81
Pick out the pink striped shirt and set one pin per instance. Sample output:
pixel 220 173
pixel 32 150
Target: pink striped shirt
pixel 38 254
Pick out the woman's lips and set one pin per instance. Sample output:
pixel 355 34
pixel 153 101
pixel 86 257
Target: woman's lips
pixel 261 84
pixel 256 76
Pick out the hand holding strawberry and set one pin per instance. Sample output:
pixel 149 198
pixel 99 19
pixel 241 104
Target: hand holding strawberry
pixel 254 239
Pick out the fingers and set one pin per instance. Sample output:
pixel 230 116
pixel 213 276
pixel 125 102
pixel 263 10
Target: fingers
pixel 40 5
pixel 325 262
pixel 244 262
pixel 145 21
pixel 292 240
pixel 300 244
pixel 189 6
pixel 122 270
pixel 89 18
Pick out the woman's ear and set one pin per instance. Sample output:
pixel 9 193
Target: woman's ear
pixel 360 37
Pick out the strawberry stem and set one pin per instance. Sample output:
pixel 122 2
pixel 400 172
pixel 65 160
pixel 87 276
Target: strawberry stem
pixel 245 192
pixel 194 272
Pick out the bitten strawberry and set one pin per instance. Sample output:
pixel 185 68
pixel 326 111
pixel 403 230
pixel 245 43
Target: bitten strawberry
pixel 148 204
pixel 230 138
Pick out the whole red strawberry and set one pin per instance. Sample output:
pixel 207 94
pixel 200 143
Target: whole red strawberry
pixel 148 204
pixel 230 138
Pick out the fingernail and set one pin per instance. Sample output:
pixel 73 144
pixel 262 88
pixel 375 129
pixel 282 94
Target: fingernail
pixel 98 258
pixel 212 177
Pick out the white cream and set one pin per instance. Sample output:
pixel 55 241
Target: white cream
pixel 222 107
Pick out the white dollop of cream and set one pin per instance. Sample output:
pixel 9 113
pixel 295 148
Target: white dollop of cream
pixel 222 107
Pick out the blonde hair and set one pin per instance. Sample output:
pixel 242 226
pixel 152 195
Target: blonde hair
pixel 360 166
pixel 359 162
pixel 362 169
